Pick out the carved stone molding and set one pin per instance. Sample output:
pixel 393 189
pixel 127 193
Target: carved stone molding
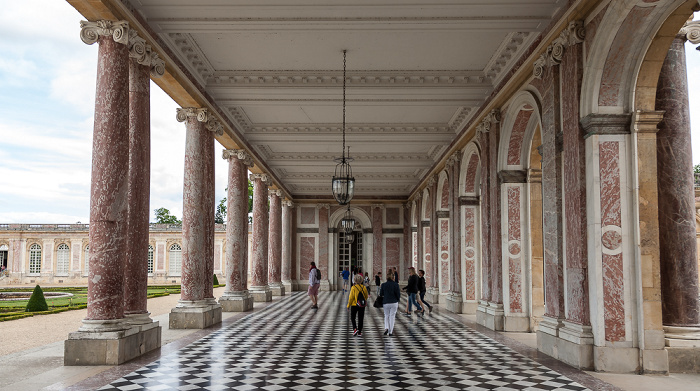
pixel 240 154
pixel 512 176
pixel 380 206
pixel 5 242
pixel 277 193
pixel 32 241
pixel 169 243
pixel 90 32
pixel 189 112
pixel 691 30
pixel 454 158
pixel 606 124
pixel 288 203
pixel 323 206
pixel 144 54
pixel 574 33
pixel 57 242
pixel 646 121
pixel 214 125
pixel 86 242
pixel 263 177
pixel 469 200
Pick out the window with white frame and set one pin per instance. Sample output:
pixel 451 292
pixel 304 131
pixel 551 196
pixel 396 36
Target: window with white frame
pixel 87 260
pixel 150 259
pixel 3 255
pixel 62 259
pixel 34 259
pixel 175 256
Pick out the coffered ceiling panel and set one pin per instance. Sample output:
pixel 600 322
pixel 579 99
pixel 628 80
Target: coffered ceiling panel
pixel 417 71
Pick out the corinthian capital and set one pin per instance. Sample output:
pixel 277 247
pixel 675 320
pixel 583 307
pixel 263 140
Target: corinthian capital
pixel 189 112
pixel 239 154
pixel 90 32
pixel 215 126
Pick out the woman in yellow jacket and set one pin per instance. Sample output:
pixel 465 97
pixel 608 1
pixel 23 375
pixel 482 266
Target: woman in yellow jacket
pixel 355 308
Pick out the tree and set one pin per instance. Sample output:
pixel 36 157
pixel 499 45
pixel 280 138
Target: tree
pixel 220 215
pixel 37 302
pixel 163 216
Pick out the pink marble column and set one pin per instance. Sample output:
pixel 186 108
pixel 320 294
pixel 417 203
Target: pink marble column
pixel 677 231
pixel 236 296
pixel 142 63
pixel 433 283
pixel 456 225
pixel 495 216
pixel 419 233
pixel 259 287
pixel 377 235
pixel 198 205
pixel 407 259
pixel 110 173
pixel 323 237
pixel 274 261
pixel 286 271
pixel 485 213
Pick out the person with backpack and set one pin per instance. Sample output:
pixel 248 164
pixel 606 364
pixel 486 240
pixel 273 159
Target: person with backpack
pixel 378 281
pixel 357 301
pixel 314 284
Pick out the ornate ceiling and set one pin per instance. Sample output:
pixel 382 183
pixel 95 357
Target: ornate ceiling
pixel 417 71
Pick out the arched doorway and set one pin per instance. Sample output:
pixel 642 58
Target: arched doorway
pixel 348 253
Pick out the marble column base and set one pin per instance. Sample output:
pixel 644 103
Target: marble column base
pixel 616 359
pixel 325 285
pixel 288 286
pixel 111 347
pixel 236 302
pixel 277 289
pixel 682 337
pixel 490 315
pixel 516 323
pixel 194 315
pixel 261 294
pixel 470 307
pixel 453 303
pixel 432 295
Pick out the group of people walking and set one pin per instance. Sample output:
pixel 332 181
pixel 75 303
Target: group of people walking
pixel 388 292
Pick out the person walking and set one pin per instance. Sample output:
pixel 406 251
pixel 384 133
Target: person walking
pixel 314 284
pixel 412 290
pixel 378 281
pixel 421 290
pixel 391 294
pixel 396 275
pixel 357 301
pixel 346 275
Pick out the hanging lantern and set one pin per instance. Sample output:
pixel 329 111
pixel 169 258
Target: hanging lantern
pixel 348 222
pixel 343 184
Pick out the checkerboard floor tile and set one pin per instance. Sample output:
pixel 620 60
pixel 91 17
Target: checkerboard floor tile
pixel 289 346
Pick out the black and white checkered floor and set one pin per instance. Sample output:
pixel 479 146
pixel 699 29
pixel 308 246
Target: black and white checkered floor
pixel 289 346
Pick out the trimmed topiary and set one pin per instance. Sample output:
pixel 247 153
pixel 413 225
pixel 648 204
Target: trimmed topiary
pixel 216 280
pixel 37 302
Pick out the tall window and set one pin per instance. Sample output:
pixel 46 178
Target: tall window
pixel 62 259
pixel 34 259
pixel 175 260
pixel 150 259
pixel 87 260
pixel 3 255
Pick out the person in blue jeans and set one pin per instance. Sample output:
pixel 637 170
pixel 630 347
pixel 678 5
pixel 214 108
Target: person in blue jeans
pixel 421 290
pixel 346 275
pixel 412 290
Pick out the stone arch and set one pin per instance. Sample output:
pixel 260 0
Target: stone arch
pixel 426 206
pixel 426 215
pixel 364 221
pixel 442 202
pixel 359 214
pixel 623 63
pixel 469 171
pixel 520 122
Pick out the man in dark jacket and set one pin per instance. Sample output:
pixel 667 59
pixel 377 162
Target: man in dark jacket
pixel 421 290
pixel 412 290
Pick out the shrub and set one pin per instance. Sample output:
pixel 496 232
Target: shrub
pixel 216 280
pixel 37 302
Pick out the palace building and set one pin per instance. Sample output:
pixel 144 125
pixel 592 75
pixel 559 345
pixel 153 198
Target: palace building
pixel 532 156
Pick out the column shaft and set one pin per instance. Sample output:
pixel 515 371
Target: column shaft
pixel 136 270
pixel 109 182
pixel 274 261
pixel 197 211
pixel 677 239
pixel 259 286
pixel 286 271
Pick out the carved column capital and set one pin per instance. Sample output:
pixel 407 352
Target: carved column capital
pixel 239 154
pixel 189 112
pixel 455 158
pixel 431 181
pixel 573 34
pixel 288 203
pixel 264 178
pixel 214 125
pixel 144 54
pixel 691 31
pixel 90 32
pixel 494 116
pixel 323 206
pixel 275 192
pixel 380 206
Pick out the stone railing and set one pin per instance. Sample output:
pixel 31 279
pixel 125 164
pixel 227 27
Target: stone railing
pixel 697 179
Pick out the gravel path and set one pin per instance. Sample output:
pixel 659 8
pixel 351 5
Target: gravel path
pixel 39 330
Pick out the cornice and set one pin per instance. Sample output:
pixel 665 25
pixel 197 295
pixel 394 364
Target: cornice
pixel 192 55
pixel 357 157
pixel 508 52
pixel 356 129
pixel 461 117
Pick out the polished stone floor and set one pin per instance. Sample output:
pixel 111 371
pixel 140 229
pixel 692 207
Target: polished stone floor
pixel 289 346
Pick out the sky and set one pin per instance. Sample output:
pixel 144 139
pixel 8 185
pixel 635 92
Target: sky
pixel 47 92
